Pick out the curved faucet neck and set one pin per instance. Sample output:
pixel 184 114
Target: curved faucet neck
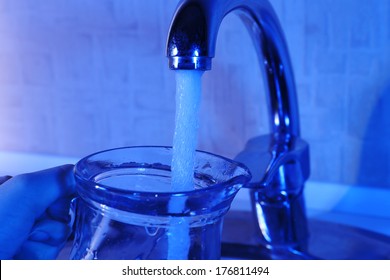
pixel 280 170
pixel 192 40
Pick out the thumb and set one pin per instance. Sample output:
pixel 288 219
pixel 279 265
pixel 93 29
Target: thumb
pixel 24 198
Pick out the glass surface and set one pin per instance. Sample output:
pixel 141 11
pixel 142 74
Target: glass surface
pixel 126 209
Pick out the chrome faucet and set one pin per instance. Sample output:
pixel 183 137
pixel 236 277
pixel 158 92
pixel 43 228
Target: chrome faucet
pixel 279 161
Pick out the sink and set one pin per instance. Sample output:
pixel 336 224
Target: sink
pixel 328 240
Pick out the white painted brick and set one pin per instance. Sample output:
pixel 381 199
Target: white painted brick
pixel 330 62
pixel 3 6
pixel 362 100
pixel 21 5
pixel 153 130
pixel 278 6
pixel 305 98
pixel 11 70
pixel 317 24
pixel 365 26
pixel 146 73
pixel 294 12
pixel 77 130
pixel 387 21
pixel 374 164
pixel 16 137
pixel 74 59
pixel 351 157
pixel 296 40
pixel 326 166
pixel 339 22
pixel 95 14
pixel 361 63
pixel 123 61
pixel 37 68
pixel 124 12
pixel 330 94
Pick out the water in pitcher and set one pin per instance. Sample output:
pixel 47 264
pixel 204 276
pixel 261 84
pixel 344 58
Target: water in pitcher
pixel 129 235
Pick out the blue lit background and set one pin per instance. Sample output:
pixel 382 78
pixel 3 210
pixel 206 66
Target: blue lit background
pixel 77 77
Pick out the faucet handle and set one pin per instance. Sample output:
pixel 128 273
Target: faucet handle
pixel 265 156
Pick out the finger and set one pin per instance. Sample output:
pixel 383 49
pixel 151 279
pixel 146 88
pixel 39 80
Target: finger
pixel 4 178
pixel 59 210
pixel 24 198
pixel 40 189
pixel 50 232
pixel 33 250
pixel 34 192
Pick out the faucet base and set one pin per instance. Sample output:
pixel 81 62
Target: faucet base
pixel 328 241
pixel 250 252
pixel 280 166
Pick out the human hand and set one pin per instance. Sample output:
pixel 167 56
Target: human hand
pixel 34 213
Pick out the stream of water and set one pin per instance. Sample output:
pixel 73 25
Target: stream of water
pixel 185 140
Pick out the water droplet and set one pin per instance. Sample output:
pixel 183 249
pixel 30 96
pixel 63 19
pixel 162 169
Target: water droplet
pixel 90 254
pixel 151 231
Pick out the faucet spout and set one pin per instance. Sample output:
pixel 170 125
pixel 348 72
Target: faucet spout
pixel 192 40
pixel 191 45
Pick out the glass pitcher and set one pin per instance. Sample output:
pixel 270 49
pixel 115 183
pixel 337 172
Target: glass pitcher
pixel 124 205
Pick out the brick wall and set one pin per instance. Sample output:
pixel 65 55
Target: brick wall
pixel 81 76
